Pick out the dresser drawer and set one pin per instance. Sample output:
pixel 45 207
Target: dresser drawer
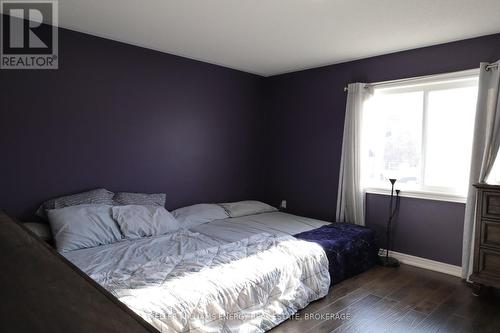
pixel 490 233
pixel 491 205
pixel 489 262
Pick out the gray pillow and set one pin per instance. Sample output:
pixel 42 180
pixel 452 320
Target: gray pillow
pixel 247 207
pixel 143 199
pixel 83 226
pixel 194 215
pixel 144 221
pixel 98 196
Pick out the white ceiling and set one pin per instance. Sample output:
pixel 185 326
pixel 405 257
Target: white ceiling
pixel 269 37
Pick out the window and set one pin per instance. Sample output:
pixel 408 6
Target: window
pixel 420 132
pixel 494 177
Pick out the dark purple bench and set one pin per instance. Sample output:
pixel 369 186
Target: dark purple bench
pixel 351 249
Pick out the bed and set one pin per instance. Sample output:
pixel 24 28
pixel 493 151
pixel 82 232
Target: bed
pixel 236 267
pixel 191 281
pixel 235 274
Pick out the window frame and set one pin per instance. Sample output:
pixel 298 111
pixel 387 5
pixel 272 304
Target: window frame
pixel 425 84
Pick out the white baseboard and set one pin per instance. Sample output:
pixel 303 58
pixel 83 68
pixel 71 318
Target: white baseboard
pixel 425 263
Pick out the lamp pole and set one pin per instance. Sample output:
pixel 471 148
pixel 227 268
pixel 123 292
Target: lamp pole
pixel 389 261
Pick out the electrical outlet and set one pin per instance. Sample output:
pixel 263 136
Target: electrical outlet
pixel 283 204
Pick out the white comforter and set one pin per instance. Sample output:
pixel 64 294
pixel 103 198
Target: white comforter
pixel 199 284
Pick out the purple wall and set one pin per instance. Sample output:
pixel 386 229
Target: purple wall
pixel 424 228
pixel 133 119
pixel 126 118
pixel 305 118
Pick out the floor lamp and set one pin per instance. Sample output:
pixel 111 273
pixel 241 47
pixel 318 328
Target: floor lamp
pixel 386 260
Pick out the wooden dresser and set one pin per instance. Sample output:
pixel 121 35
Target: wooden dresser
pixel 487 238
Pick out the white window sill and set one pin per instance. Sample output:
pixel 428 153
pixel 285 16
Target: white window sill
pixel 419 195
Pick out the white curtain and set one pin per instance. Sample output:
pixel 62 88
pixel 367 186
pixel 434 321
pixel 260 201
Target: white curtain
pixel 484 151
pixel 350 198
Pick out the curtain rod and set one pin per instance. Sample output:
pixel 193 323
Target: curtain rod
pixel 487 68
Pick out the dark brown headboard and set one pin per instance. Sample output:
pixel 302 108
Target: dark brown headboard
pixel 40 291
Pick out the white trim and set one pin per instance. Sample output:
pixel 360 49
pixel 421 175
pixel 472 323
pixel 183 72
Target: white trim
pixel 431 265
pixel 418 80
pixel 420 195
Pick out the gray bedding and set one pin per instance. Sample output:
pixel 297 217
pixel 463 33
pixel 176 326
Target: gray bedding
pixel 234 275
pixel 275 223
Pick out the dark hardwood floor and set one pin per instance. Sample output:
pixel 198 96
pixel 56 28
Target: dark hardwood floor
pixel 404 299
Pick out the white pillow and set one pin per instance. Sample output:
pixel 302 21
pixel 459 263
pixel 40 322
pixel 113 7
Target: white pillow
pixel 194 215
pixel 83 226
pixel 144 221
pixel 248 207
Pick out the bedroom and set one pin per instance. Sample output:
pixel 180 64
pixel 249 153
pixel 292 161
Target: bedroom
pixel 223 102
